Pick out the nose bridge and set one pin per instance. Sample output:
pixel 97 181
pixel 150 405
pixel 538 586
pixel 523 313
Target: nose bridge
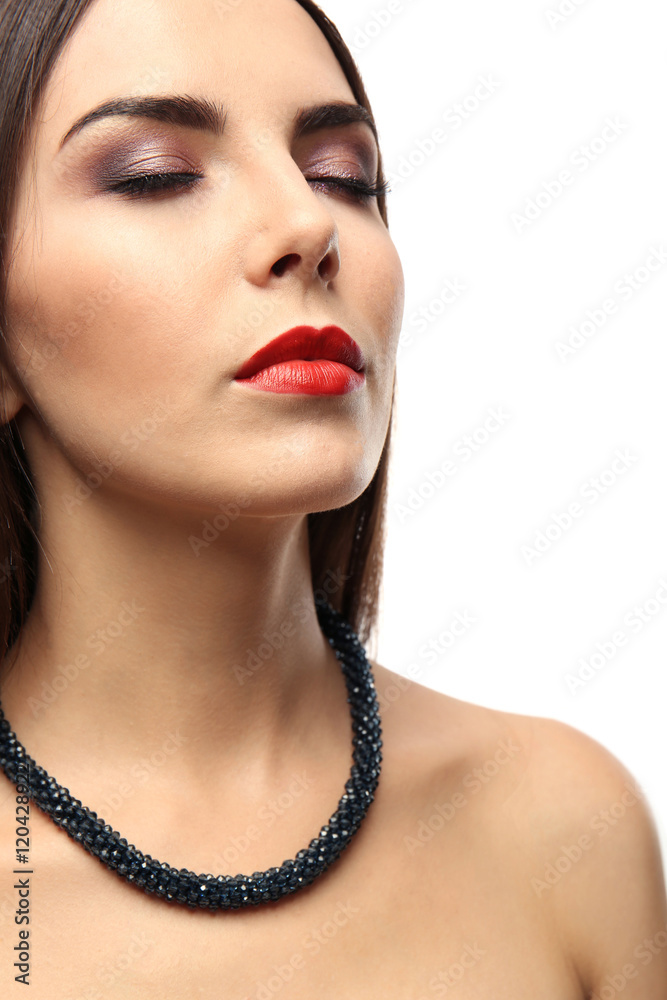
pixel 288 219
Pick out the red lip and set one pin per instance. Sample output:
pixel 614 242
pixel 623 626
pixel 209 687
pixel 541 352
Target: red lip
pixel 306 360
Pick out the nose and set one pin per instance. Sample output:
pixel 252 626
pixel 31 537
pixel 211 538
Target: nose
pixel 293 232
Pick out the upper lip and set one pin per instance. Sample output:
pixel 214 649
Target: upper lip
pixel 305 343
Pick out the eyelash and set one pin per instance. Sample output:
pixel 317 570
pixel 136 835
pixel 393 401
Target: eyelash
pixel 358 189
pixel 142 185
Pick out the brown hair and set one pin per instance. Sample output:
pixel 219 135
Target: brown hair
pixel 346 544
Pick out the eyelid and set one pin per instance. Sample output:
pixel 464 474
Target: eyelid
pixel 135 149
pixel 349 153
pixel 354 143
pixel 114 167
pixel 350 168
pixel 125 141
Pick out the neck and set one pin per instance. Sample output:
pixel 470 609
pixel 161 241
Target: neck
pixel 146 629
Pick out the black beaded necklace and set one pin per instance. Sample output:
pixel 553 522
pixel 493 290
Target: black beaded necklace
pixel 224 892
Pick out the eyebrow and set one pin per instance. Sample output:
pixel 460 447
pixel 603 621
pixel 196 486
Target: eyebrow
pixel 333 115
pixel 209 116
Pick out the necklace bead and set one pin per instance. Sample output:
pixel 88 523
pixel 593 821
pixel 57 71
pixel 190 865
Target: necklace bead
pixel 224 892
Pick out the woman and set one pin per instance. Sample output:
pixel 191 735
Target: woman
pixel 196 492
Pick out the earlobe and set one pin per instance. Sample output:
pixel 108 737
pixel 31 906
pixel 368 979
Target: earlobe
pixel 11 399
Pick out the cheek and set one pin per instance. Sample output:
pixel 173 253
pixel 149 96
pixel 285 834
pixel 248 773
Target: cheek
pixel 392 283
pixel 382 271
pixel 380 288
pixel 100 313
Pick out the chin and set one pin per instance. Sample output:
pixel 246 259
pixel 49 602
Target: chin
pixel 320 488
pixel 336 479
pixel 337 495
pixel 309 472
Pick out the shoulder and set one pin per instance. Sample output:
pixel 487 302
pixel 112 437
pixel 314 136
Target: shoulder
pixel 598 863
pixel 587 840
pixel 440 737
pixel 566 779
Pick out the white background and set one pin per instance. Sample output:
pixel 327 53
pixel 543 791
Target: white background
pixel 455 218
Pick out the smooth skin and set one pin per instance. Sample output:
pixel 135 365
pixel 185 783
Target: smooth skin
pixel 129 319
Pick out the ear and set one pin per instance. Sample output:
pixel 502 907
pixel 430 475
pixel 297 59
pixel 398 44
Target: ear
pixel 11 399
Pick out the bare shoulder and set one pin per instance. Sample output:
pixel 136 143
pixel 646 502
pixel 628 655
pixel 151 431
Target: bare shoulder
pixel 566 779
pixel 442 729
pixel 598 864
pixel 586 836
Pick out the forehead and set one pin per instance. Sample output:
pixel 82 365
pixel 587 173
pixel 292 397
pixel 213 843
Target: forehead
pixel 266 56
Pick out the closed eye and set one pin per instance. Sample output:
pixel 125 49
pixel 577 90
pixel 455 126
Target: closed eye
pixel 146 184
pixel 360 190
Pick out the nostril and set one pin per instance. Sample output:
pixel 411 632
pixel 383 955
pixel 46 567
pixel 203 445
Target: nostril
pixel 328 267
pixel 281 265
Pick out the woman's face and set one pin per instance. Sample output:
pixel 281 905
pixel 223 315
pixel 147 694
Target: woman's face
pixel 130 314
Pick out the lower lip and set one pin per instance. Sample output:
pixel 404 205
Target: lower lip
pixel 312 378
